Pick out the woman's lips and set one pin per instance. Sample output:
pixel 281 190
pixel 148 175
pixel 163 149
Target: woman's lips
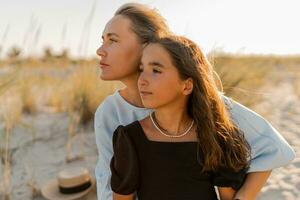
pixel 103 65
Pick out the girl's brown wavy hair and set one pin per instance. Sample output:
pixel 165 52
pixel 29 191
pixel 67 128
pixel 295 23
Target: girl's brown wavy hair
pixel 220 142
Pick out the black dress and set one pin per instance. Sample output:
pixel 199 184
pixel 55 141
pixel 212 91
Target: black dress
pixel 163 170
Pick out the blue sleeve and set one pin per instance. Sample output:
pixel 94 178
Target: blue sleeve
pixel 104 146
pixel 269 149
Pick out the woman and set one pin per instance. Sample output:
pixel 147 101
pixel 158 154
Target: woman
pixel 124 37
pixel 188 144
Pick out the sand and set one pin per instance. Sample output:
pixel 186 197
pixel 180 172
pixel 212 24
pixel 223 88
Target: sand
pixel 38 144
pixel 281 106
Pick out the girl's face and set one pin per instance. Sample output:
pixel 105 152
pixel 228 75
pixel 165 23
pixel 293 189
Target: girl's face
pixel 120 51
pixel 159 82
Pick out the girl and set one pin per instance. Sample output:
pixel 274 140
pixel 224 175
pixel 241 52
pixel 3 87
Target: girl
pixel 188 144
pixel 124 36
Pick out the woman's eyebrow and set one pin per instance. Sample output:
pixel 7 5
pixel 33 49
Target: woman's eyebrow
pixel 110 34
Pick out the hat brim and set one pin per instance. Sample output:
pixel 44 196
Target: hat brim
pixel 51 192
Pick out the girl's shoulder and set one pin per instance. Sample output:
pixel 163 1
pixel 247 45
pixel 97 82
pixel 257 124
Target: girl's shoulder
pixel 128 132
pixel 132 129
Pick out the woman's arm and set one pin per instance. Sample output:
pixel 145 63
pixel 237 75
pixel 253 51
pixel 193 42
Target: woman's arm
pixel 226 193
pixel 117 196
pixel 269 150
pixel 252 186
pixel 103 136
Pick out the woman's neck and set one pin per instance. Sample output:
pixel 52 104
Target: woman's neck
pixel 131 93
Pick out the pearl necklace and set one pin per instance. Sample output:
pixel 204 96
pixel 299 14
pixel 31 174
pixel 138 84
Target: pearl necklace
pixel 167 135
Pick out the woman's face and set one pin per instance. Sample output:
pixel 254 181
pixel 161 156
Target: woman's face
pixel 159 82
pixel 120 51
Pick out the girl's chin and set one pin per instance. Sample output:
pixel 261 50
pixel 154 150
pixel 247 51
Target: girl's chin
pixel 149 105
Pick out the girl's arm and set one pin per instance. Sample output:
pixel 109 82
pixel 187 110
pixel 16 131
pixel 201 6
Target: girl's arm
pixel 117 196
pixel 252 186
pixel 124 166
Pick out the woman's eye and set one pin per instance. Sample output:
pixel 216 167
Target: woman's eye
pixel 112 40
pixel 140 69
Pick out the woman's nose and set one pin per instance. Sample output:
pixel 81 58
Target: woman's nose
pixel 101 52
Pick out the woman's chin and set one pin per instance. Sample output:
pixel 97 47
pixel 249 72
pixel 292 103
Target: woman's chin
pixel 106 77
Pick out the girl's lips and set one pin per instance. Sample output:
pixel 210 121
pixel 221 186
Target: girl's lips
pixel 143 93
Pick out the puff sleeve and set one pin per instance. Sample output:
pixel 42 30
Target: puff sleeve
pixel 124 163
pixel 225 177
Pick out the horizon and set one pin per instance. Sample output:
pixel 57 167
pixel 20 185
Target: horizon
pixel 234 27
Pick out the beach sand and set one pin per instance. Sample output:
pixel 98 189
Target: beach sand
pixel 38 145
pixel 282 108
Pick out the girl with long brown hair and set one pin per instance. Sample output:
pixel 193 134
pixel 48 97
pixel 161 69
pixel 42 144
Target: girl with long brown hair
pixel 188 144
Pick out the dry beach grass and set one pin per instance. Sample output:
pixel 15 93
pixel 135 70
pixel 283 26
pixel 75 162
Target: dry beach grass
pixel 47 107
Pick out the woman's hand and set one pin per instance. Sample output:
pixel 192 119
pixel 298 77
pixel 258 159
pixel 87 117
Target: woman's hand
pixel 252 186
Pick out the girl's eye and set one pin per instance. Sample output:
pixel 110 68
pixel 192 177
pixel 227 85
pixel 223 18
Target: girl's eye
pixel 156 71
pixel 140 69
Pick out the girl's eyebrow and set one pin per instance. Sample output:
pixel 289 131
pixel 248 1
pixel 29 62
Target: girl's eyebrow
pixel 155 63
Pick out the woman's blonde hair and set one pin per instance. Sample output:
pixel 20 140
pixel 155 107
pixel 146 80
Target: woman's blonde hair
pixel 146 22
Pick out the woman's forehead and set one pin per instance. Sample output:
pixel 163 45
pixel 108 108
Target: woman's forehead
pixel 118 25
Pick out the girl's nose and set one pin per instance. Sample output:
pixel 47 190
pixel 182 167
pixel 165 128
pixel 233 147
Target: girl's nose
pixel 142 81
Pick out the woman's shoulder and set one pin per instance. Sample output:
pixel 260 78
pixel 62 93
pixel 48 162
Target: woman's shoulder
pixel 106 104
pixel 111 106
pixel 118 107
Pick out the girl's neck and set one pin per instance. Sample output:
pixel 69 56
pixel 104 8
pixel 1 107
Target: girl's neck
pixel 131 93
pixel 175 120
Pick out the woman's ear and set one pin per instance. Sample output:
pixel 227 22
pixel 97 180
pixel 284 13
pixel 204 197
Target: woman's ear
pixel 188 86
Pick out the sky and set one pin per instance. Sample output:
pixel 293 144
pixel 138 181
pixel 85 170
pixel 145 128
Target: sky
pixel 234 26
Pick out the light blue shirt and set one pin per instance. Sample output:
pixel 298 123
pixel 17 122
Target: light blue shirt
pixel 269 149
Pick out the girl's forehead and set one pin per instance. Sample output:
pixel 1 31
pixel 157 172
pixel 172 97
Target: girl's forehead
pixel 154 52
pixel 155 49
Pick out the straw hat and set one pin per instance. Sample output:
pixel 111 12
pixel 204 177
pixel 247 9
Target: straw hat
pixel 70 184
